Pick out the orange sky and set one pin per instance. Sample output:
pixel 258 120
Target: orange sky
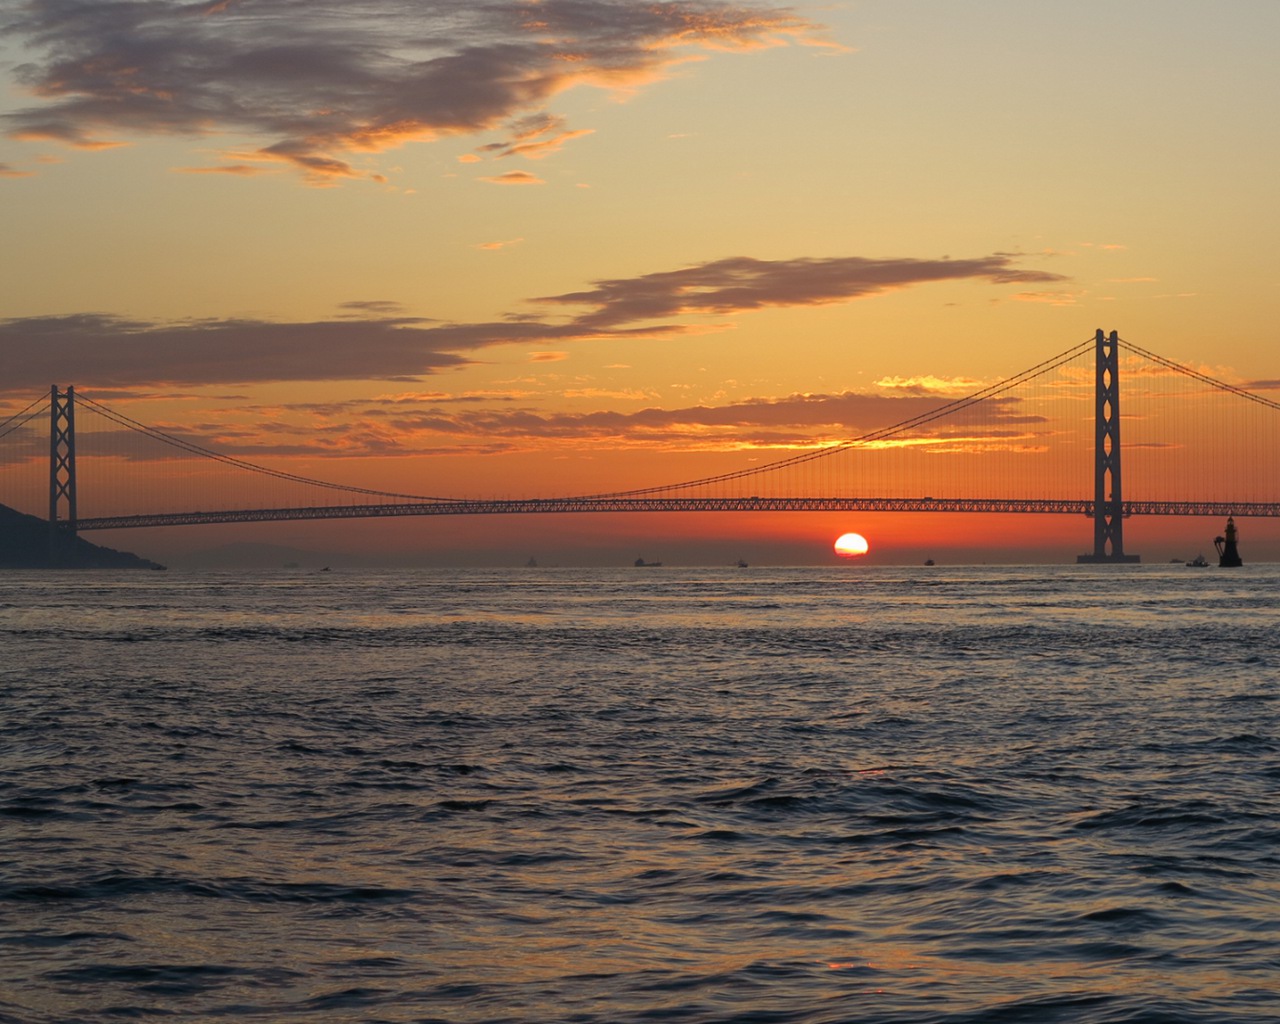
pixel 549 248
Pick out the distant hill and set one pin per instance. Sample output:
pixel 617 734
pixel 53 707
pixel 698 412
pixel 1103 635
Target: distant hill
pixel 24 544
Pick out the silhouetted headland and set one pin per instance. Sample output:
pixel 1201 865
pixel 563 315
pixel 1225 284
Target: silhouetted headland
pixel 24 544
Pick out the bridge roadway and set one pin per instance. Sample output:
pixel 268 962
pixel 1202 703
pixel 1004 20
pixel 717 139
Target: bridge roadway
pixel 528 506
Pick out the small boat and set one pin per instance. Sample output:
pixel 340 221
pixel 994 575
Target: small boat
pixel 1199 562
pixel 740 564
pixel 928 561
pixel 641 563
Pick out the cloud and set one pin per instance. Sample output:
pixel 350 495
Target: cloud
pixel 376 340
pixel 108 351
pixel 614 394
pixel 318 82
pixel 8 171
pixel 763 423
pixel 931 385
pixel 846 414
pixel 495 246
pixel 515 178
pixel 1050 298
pixel 743 283
pixel 241 170
pixel 432 423
pixel 535 137
pixel 381 307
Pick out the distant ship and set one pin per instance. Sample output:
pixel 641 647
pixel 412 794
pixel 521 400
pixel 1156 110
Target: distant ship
pixel 1199 562
pixel 641 563
pixel 740 564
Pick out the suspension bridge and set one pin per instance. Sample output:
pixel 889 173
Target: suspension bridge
pixel 1046 440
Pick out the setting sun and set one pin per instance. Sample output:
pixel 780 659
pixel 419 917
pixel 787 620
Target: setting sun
pixel 850 544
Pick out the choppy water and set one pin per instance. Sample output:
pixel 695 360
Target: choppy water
pixel 865 795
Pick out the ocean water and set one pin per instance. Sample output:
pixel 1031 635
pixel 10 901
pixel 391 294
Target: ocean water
pixel 909 795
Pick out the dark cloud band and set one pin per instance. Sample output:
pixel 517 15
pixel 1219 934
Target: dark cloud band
pixel 372 340
pixel 317 81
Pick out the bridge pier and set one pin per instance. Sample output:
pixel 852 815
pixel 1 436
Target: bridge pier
pixel 62 469
pixel 1108 503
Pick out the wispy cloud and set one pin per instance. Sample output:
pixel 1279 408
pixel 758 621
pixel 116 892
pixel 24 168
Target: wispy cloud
pixel 743 283
pixel 375 340
pixel 377 307
pixel 496 246
pixel 930 385
pixel 755 422
pixel 242 170
pixel 1050 298
pixel 320 82
pixel 515 178
pixel 535 137
pixel 427 423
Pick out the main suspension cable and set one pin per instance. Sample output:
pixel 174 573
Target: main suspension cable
pixel 16 421
pixel 230 460
pixel 957 405
pixel 1169 364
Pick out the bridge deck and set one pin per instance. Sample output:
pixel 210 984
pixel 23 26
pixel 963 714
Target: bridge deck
pixel 525 506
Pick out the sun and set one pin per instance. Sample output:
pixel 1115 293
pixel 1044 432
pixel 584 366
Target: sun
pixel 849 545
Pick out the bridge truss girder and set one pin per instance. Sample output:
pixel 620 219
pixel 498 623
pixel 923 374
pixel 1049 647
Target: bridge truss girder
pixel 1050 506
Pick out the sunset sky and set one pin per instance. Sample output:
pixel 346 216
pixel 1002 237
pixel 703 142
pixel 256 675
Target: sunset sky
pixel 538 248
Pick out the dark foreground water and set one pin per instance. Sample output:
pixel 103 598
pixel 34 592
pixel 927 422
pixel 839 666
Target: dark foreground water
pixel 864 795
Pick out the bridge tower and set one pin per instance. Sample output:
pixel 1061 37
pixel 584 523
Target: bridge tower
pixel 62 467
pixel 1108 502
